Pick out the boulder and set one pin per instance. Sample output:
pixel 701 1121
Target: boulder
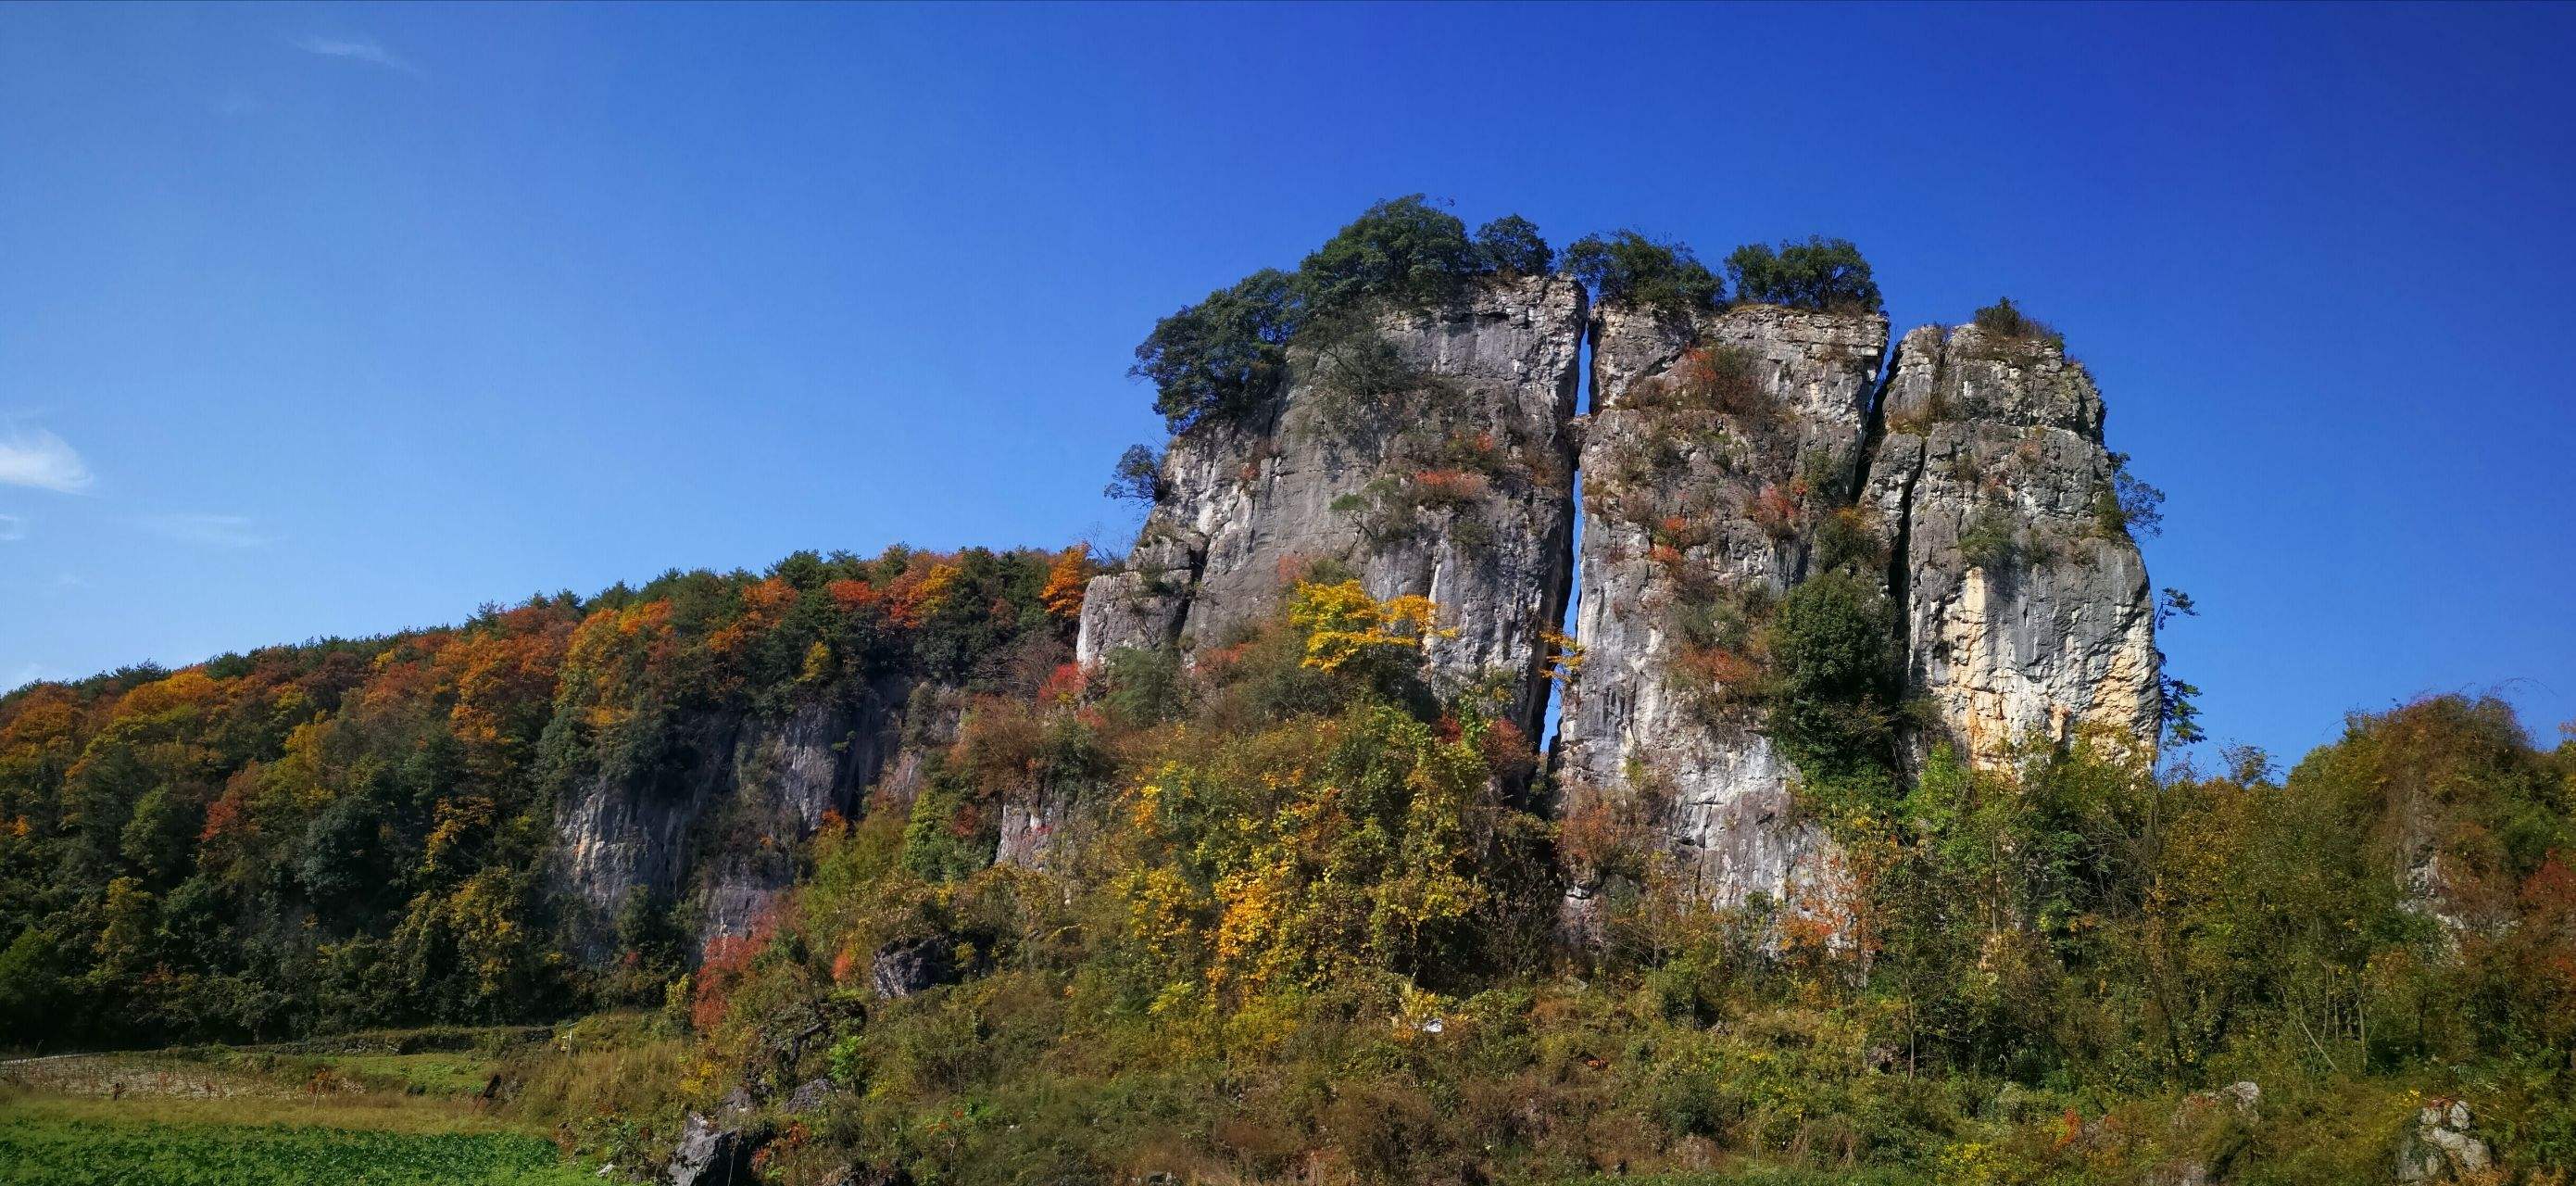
pixel 2441 1146
pixel 809 1095
pixel 710 1154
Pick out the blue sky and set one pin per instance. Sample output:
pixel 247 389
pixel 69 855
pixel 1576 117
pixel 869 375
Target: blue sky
pixel 333 320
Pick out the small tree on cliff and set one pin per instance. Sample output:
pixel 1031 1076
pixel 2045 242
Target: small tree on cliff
pixel 1630 267
pixel 1138 477
pixel 1825 274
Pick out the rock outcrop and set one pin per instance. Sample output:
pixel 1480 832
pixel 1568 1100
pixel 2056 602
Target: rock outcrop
pixel 2025 604
pixel 1729 456
pixel 1715 450
pixel 712 819
pixel 2442 1145
pixel 1439 466
pixel 713 1154
pixel 903 968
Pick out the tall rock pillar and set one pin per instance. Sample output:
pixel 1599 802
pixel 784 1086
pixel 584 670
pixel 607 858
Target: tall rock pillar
pixel 1719 445
pixel 2025 602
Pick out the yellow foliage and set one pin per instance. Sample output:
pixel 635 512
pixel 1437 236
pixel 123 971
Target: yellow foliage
pixel 1065 583
pixel 1344 624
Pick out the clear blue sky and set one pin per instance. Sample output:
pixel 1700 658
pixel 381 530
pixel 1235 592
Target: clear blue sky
pixel 322 320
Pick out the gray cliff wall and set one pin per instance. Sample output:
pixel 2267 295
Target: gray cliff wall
pixel 713 823
pixel 2025 602
pixel 1728 456
pixel 1458 489
pixel 1705 478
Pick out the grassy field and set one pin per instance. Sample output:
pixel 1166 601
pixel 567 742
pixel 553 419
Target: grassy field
pixel 369 1114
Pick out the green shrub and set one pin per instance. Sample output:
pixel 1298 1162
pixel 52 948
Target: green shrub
pixel 1846 539
pixel 1824 274
pixel 1991 541
pixel 1833 676
pixel 2003 319
pixel 1629 267
pixel 950 834
pixel 1141 686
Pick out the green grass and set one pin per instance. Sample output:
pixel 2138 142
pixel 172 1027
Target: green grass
pixel 62 1151
pixel 215 1116
pixel 1761 1176
pixel 436 1074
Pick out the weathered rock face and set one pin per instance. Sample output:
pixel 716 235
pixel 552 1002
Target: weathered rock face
pixel 2441 1146
pixel 1713 451
pixel 2025 603
pixel 1458 488
pixel 710 1154
pixel 914 965
pixel 715 818
pixel 1729 456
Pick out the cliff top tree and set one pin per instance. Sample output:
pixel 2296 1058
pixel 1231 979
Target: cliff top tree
pixel 1822 274
pixel 1628 266
pixel 1512 245
pixel 1218 357
pixel 1403 251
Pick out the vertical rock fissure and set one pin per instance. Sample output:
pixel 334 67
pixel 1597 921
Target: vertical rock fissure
pixel 1872 444
pixel 1899 572
pixel 1587 392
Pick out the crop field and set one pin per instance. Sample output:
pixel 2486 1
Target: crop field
pixel 218 1117
pixel 92 1152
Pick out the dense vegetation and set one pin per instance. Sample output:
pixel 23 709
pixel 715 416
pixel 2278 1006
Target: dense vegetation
pixel 1629 267
pixel 355 832
pixel 1312 930
pixel 1817 274
pixel 1315 940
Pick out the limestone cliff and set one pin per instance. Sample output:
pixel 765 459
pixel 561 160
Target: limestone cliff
pixel 1730 455
pixel 2025 603
pixel 710 821
pixel 1428 456
pixel 1715 450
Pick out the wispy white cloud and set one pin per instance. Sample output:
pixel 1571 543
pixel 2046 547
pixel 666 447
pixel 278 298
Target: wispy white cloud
pixel 239 104
pixel 356 49
pixel 212 531
pixel 35 457
pixel 12 528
